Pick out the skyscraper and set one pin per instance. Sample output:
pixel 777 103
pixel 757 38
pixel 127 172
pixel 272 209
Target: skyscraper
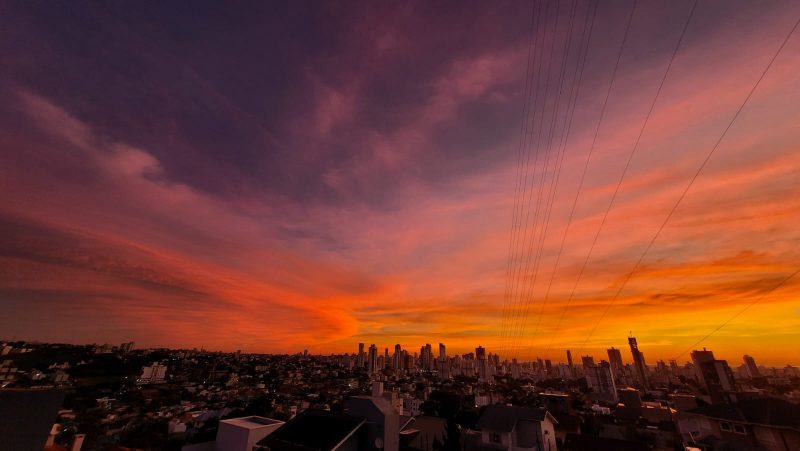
pixel 426 357
pixel 372 360
pixel 615 360
pixel 587 361
pixel 397 358
pixel 483 366
pixel 515 371
pixel 638 363
pixel 569 360
pixel 442 352
pixel 750 365
pixel 360 357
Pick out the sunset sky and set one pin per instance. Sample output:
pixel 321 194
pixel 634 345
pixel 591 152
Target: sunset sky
pixel 276 176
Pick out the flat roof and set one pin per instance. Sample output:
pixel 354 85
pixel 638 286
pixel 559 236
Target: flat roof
pixel 252 422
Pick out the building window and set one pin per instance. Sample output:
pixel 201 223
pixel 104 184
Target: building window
pixel 725 426
pixel 739 429
pixel 494 438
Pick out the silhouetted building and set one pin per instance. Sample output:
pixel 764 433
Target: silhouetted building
pixel 382 426
pixel 615 360
pixel 372 360
pixel 26 417
pixel 397 358
pixel 513 428
pixel 751 367
pixel 361 358
pixel 483 366
pixel 317 430
pixel 715 375
pixel 569 363
pixel 242 434
pixel 753 424
pixel 601 381
pixel 638 363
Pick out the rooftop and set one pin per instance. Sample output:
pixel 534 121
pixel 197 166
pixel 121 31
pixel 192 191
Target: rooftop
pixel 313 430
pixel 767 411
pixel 253 422
pixel 504 418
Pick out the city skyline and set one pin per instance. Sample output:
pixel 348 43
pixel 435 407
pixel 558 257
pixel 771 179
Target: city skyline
pixel 328 175
pixel 559 357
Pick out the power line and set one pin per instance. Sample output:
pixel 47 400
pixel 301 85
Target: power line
pixel 523 132
pixel 693 179
pixel 586 166
pixel 739 313
pixel 521 296
pixel 558 161
pixel 536 232
pixel 521 270
pixel 564 141
pixel 522 230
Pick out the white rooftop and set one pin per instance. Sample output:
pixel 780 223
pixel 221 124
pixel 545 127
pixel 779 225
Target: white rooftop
pixel 253 422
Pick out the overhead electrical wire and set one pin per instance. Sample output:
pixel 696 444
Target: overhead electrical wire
pixel 739 313
pixel 524 268
pixel 549 196
pixel 589 156
pixel 523 131
pixel 519 270
pixel 694 177
pixel 533 234
pixel 565 140
pixel 521 230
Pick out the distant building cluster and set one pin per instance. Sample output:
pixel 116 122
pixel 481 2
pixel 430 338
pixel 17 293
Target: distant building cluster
pixel 123 399
pixel 401 362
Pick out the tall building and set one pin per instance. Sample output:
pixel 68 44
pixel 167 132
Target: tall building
pixel 397 358
pixel 615 360
pixel 372 360
pixel 360 358
pixel 715 375
pixel 515 370
pixel 750 365
pixel 442 352
pixel 569 363
pixel 600 379
pixel 426 357
pixel 483 366
pixel 587 360
pixel 638 363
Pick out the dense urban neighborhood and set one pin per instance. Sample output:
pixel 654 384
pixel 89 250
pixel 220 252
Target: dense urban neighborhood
pixel 102 397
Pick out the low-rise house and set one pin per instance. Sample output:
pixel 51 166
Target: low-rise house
pixel 764 424
pixel 513 428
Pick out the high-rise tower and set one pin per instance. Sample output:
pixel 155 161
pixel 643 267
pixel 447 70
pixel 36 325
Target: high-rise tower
pixel 638 363
pixel 615 360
